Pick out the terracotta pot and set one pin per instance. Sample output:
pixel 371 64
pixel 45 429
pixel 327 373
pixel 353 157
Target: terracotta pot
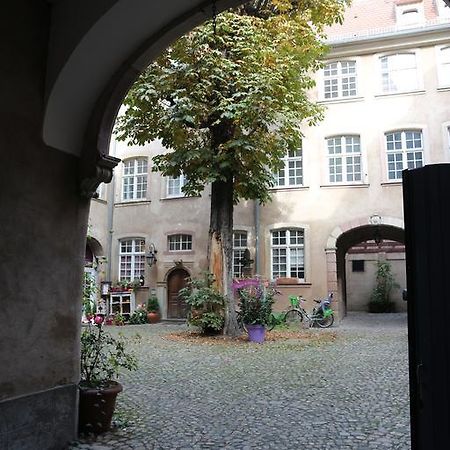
pixel 97 407
pixel 153 317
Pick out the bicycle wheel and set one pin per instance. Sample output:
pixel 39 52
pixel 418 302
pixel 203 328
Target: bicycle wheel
pixel 293 319
pixel 325 322
pixel 271 322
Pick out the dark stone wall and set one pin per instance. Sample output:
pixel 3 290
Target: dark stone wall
pixel 42 239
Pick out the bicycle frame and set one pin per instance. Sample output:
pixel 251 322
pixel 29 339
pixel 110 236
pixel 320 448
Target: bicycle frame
pixel 314 316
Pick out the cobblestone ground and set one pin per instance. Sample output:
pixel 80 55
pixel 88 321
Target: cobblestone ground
pixel 348 394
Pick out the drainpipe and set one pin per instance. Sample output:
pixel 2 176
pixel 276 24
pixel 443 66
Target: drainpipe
pixel 111 197
pixel 256 216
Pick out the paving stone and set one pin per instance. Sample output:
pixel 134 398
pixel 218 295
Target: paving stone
pixel 348 394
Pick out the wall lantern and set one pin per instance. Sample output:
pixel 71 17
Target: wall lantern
pixel 105 287
pixel 151 255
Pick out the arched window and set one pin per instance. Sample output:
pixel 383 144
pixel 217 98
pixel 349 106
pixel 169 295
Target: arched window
pixel 179 242
pixel 134 179
pixel 404 150
pixel 344 159
pixel 131 259
pixel 239 246
pixel 399 73
pixel 339 79
pixel 288 253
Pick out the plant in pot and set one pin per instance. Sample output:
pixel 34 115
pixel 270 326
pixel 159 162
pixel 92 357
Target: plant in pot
pixel 206 304
pixel 102 357
pixel 380 300
pixel 139 316
pixel 153 310
pixel 89 293
pixel 255 302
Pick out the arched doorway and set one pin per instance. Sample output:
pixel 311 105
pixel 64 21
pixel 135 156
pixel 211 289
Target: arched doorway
pixel 176 307
pixel 377 235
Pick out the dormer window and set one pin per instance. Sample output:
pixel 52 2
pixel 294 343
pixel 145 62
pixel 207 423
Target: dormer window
pixel 409 13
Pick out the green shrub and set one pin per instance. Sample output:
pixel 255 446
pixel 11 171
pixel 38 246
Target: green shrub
pixel 153 304
pixel 380 301
pixel 139 317
pixel 206 304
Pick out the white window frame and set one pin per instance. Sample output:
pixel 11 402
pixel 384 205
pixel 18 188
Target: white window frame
pixel 396 73
pixel 443 65
pixel 290 250
pixel 135 179
pixel 239 245
pixel 179 242
pixel 346 141
pixel 175 182
pixel 135 258
pixel 292 170
pixel 401 155
pixel 337 81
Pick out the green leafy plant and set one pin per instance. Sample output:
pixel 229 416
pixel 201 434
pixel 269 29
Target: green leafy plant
pixel 139 317
pixel 119 319
pixel 153 304
pixel 256 300
pixel 206 304
pixel 102 357
pixel 89 291
pixel 380 299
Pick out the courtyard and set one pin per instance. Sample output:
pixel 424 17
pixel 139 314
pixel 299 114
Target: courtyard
pixel 346 390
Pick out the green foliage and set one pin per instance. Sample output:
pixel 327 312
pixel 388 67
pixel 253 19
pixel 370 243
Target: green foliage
pixel 256 303
pixel 139 317
pixel 89 291
pixel 206 304
pixel 380 299
pixel 153 304
pixel 230 104
pixel 102 357
pixel 119 319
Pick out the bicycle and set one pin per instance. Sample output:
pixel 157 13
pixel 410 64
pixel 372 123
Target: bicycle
pixel 322 315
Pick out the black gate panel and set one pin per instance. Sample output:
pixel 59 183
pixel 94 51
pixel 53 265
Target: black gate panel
pixel 426 196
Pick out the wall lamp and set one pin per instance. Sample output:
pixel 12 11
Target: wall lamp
pixel 151 255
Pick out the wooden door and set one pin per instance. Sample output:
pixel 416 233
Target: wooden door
pixel 176 307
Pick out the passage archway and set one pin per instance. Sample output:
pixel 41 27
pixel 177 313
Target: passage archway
pixel 379 236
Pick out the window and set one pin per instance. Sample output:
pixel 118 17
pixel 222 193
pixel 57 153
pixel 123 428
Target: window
pixel 344 159
pixel 175 185
pixel 134 185
pixel 239 246
pixel 404 151
pixel 291 174
pixel 358 265
pixel 179 242
pixel 288 253
pixel 399 73
pixel 444 66
pixel 132 259
pixel 339 79
pixel 409 14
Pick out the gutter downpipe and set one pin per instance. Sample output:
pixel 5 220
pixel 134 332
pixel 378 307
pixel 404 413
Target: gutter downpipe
pixel 256 215
pixel 111 196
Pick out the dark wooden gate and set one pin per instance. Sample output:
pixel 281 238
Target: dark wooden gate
pixel 426 194
pixel 176 307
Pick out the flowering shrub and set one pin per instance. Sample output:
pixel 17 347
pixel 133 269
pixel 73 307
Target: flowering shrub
pixel 256 298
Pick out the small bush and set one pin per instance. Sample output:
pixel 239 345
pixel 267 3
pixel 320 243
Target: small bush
pixel 380 299
pixel 139 317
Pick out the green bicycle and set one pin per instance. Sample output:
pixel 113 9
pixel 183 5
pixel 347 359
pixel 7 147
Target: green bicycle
pixel 322 315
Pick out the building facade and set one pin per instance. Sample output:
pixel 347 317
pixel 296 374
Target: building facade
pixel 337 205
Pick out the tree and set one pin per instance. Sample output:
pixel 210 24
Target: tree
pixel 229 105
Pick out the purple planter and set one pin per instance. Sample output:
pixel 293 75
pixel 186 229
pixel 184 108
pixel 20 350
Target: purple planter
pixel 256 333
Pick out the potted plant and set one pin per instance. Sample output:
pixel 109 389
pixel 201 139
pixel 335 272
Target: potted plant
pixel 206 304
pixel 102 356
pixel 119 320
pixel 380 301
pixel 255 301
pixel 153 309
pixel 139 317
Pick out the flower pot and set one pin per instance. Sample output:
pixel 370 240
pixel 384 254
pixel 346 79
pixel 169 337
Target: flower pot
pixel 97 407
pixel 256 333
pixel 153 317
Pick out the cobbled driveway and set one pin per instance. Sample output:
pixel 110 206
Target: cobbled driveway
pixel 351 393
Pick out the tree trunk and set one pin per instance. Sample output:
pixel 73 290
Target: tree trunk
pixel 220 252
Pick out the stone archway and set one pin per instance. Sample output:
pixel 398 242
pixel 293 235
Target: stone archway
pixel 343 237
